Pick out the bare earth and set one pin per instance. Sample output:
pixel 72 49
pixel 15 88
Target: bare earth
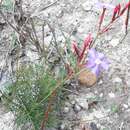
pixel 106 104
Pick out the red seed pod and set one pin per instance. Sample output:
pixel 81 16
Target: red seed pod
pixel 116 12
pixel 125 8
pixel 101 18
pixel 75 48
pixel 86 45
pixel 127 19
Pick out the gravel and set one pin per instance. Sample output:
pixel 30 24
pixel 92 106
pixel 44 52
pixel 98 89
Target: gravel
pixel 80 17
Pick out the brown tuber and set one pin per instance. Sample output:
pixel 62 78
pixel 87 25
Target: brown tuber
pixel 87 78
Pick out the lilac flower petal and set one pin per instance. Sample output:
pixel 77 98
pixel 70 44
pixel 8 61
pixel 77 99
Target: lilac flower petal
pixel 105 5
pixel 96 70
pixel 90 63
pixel 92 53
pixel 100 55
pixel 105 65
pixel 97 62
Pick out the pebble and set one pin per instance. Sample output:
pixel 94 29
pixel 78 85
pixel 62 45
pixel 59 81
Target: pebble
pixel 96 92
pixel 82 102
pixel 80 30
pixel 66 110
pixel 111 95
pixel 125 106
pixel 100 82
pixel 114 42
pixel 101 95
pixel 62 127
pixel 99 114
pixel 60 13
pixel 60 39
pixel 117 80
pixel 87 6
pixel 108 37
pixel 73 102
pixel 77 108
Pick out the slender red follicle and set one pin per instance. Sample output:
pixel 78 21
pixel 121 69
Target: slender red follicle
pixel 76 49
pixel 49 109
pixel 127 19
pixel 69 70
pixel 125 8
pixel 105 30
pixel 86 45
pixel 116 12
pixel 101 18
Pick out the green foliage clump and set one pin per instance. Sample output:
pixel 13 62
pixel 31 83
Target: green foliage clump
pixel 7 5
pixel 28 96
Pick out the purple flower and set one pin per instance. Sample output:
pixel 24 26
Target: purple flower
pixel 97 62
pixel 105 5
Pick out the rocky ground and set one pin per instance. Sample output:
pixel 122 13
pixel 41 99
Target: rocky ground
pixel 105 106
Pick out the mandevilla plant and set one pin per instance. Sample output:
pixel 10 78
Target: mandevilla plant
pixel 34 94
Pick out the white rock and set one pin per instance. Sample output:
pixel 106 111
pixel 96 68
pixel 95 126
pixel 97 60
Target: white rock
pixel 83 103
pixel 66 110
pixel 80 29
pixel 108 37
pixel 62 126
pixel 125 106
pixel 100 82
pixel 98 114
pixel 101 95
pixel 73 102
pixel 96 92
pixel 114 42
pixel 111 95
pixel 60 13
pixel 117 80
pixel 87 5
pixel 77 108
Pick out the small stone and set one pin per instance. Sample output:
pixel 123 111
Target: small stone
pixel 111 95
pixel 99 114
pixel 125 106
pixel 60 39
pixel 96 92
pixel 80 29
pixel 77 108
pixel 87 78
pixel 108 37
pixel 117 80
pixel 100 82
pixel 114 42
pixel 101 95
pixel 66 110
pixel 83 103
pixel 73 102
pixel 62 127
pixel 60 14
pixel 87 6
